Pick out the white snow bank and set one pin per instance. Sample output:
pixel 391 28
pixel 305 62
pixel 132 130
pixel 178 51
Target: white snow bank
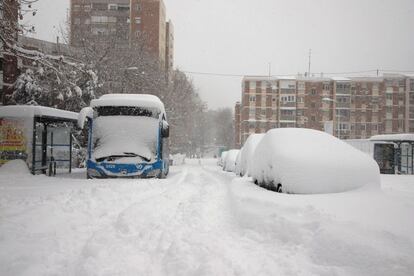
pixel 121 135
pixel 141 100
pixel 229 164
pixel 14 167
pixel 247 152
pixel 306 161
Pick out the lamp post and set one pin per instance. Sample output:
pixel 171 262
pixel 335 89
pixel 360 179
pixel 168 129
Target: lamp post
pixel 337 116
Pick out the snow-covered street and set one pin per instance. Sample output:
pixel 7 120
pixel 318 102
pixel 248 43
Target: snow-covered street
pixel 201 221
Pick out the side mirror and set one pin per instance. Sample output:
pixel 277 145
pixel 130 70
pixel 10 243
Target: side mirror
pixel 165 131
pixel 86 112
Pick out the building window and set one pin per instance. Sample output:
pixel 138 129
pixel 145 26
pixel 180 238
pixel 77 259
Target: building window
pixel 87 21
pixel 123 7
pixel 112 7
pixel 313 91
pixel 87 8
pixel 252 98
pixel 76 7
pixel 103 19
pixel 138 20
pixel 77 20
pixel 100 6
pixel 138 7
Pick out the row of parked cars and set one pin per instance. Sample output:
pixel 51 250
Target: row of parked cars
pixel 301 161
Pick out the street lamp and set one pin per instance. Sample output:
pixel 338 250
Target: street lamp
pixel 338 116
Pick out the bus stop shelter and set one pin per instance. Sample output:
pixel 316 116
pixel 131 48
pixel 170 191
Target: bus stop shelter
pixel 41 136
pixel 404 150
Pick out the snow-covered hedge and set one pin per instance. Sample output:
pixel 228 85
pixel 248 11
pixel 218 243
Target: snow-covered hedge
pixel 306 161
pixel 247 152
pixel 230 161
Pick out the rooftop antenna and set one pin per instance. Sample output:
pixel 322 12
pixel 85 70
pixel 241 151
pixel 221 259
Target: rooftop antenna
pixel 310 59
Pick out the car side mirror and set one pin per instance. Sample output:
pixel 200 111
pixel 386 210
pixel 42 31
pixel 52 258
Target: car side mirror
pixel 84 114
pixel 165 131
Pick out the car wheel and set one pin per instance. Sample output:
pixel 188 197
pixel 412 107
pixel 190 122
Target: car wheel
pixel 279 188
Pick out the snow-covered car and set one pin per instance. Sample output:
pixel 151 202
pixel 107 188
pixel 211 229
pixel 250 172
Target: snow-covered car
pixel 237 169
pixel 221 159
pixel 229 164
pixel 247 153
pixel 305 161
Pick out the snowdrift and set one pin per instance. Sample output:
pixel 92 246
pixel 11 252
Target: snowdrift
pixel 230 161
pixel 14 167
pixel 247 152
pixel 306 161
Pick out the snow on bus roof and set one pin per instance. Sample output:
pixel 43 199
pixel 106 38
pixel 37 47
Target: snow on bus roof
pixel 30 111
pixel 142 100
pixel 393 137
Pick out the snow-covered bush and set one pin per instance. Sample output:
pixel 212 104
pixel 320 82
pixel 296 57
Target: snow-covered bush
pixel 247 152
pixel 306 161
pixel 229 164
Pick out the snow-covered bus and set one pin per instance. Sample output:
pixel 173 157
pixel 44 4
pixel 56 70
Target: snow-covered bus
pixel 128 136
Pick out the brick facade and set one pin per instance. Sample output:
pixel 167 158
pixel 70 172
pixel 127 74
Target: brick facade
pixel 127 21
pixel 356 108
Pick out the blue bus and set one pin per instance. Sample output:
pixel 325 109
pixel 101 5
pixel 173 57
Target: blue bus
pixel 127 137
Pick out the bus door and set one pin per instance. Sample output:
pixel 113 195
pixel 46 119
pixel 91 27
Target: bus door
pixel 385 155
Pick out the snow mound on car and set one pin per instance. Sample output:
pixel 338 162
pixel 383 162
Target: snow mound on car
pixel 247 152
pixel 14 167
pixel 230 161
pixel 306 161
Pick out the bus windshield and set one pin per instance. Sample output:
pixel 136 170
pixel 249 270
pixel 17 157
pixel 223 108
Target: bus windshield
pixel 127 111
pixel 125 135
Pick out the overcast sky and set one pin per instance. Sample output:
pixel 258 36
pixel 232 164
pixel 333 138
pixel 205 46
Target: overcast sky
pixel 244 36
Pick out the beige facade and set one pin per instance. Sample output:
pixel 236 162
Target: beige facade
pixel 353 108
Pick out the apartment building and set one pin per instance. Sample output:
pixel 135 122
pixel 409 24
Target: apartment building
pixel 169 50
pixel 349 108
pixel 129 22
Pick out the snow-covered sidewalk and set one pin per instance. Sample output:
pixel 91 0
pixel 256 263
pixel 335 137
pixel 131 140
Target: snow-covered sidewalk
pixel 201 221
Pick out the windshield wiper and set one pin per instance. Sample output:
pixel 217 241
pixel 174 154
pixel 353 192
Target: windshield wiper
pixel 131 154
pixel 126 154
